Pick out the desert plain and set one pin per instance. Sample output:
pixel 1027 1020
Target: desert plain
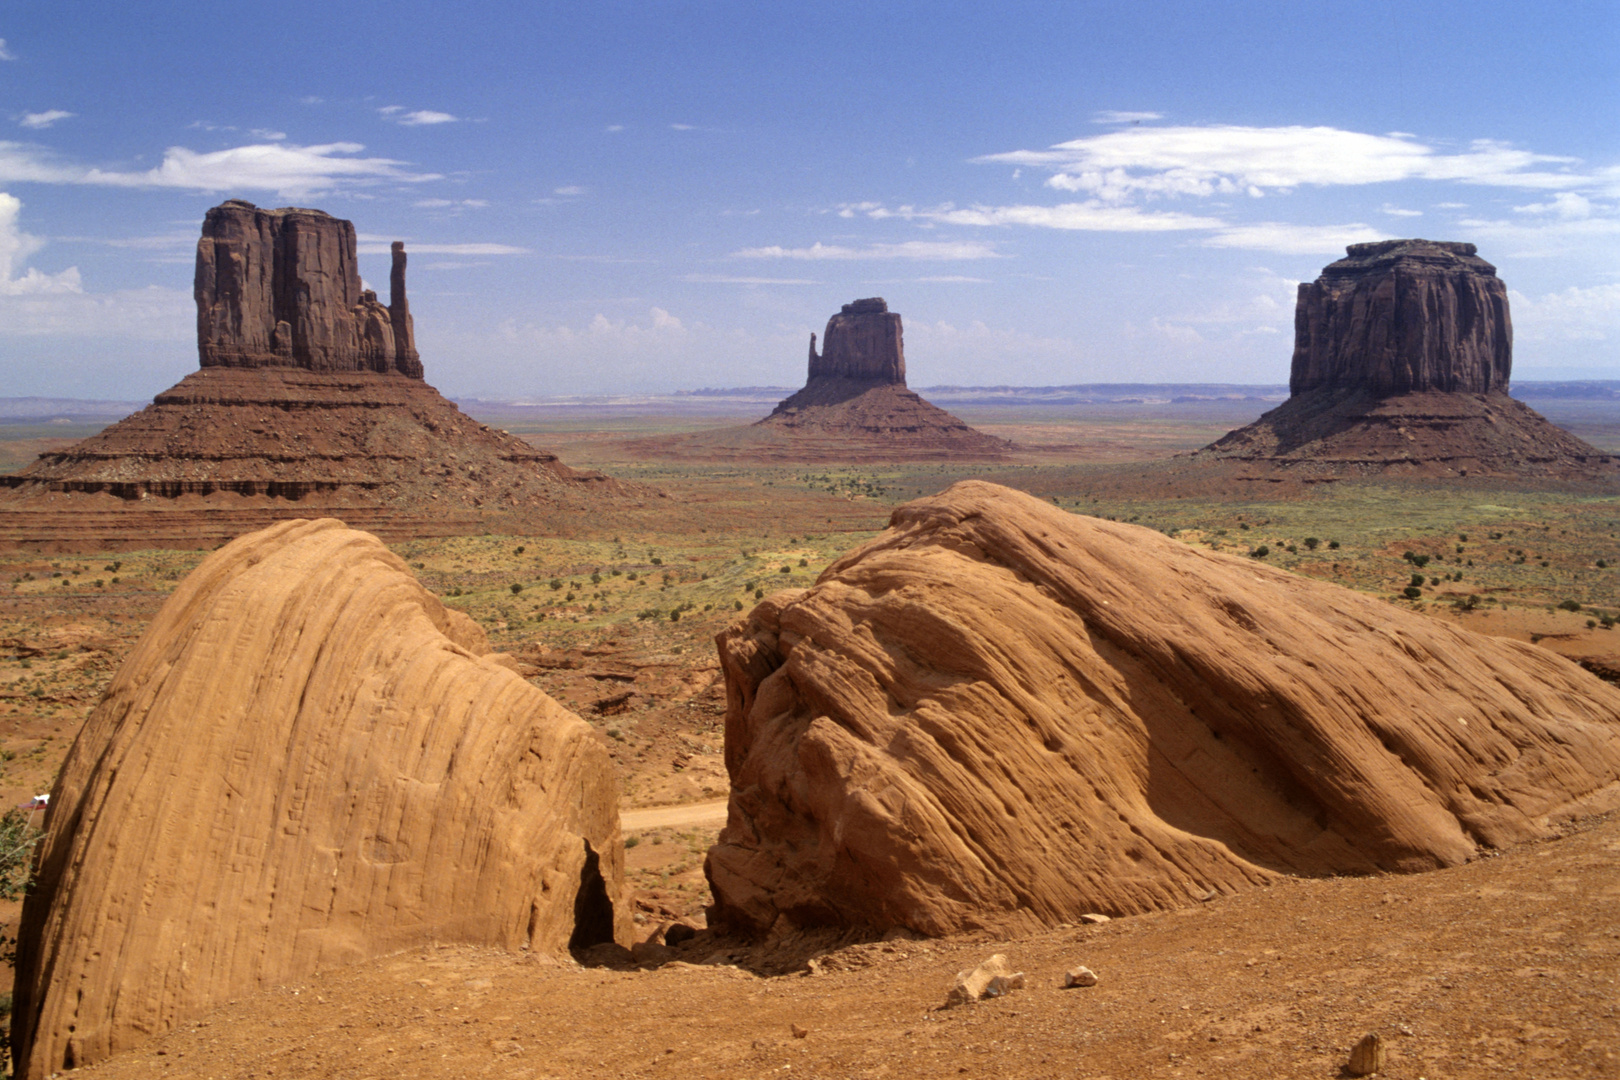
pixel 1504 966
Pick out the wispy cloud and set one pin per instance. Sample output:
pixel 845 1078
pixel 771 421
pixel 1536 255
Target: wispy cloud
pixel 38 121
pixel 614 128
pixel 1113 116
pixel 426 116
pixel 448 204
pixel 1396 211
pixel 1576 314
pixel 1566 204
pixel 725 279
pixel 569 190
pixel 1289 239
pixel 5 53
pixel 682 127
pixel 371 244
pixel 1091 215
pixel 933 250
pixel 284 168
pixel 1228 159
pixel 15 248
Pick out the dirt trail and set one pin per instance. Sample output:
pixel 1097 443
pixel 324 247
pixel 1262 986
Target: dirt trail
pixel 710 813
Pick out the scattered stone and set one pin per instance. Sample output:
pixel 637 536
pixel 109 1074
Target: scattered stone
pixel 1367 1056
pixel 993 978
pixel 1079 976
pixel 798 1032
pixel 1094 919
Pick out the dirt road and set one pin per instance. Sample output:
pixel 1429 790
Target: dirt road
pixel 710 813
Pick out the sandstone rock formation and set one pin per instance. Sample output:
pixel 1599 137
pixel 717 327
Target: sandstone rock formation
pixel 1402 353
pixel 305 761
pixel 1398 316
pixel 855 403
pixel 1000 715
pixel 310 392
pixel 864 342
pixel 281 288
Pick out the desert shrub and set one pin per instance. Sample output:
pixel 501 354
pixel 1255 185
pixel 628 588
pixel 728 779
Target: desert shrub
pixel 1417 580
pixel 631 841
pixel 759 594
pixel 1260 552
pixel 1467 603
pixel 1591 624
pixel 1412 592
pixel 675 616
pixel 656 561
pixel 1607 621
pixel 518 550
pixel 1568 605
pixel 516 587
pixel 555 584
pixel 1463 537
pixel 787 569
pixel 1333 545
pixel 804 562
pixel 1434 581
pixel 1311 542
pixel 596 578
pixel 569 599
pixel 736 605
pixel 1601 565
pixel 1293 549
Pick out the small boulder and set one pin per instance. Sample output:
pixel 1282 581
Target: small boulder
pixel 1079 976
pixel 993 978
pixel 1367 1056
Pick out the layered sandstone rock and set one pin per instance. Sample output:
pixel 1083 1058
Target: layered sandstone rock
pixel 281 288
pixel 306 761
pixel 1398 316
pixel 855 405
pixel 863 342
pixel 310 392
pixel 1402 353
pixel 1000 715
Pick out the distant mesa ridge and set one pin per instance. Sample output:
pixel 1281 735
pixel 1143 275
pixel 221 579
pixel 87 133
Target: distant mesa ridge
pixel 281 288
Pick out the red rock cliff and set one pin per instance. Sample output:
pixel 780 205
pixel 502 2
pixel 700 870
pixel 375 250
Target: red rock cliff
pixel 281 288
pixel 1398 316
pixel 863 342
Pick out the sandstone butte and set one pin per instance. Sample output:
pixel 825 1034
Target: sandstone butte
pixel 306 761
pixel 309 395
pixel 1402 355
pixel 998 715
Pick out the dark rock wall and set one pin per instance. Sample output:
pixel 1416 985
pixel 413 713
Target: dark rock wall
pixel 281 288
pixel 862 342
pixel 1398 316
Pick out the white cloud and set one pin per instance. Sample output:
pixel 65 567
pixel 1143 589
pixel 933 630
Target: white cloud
pixel 6 54
pixel 1545 236
pixel 267 134
pixel 612 128
pixel 284 168
pixel 682 127
pixel 571 189
pixel 1566 204
pixel 377 245
pixel 1288 239
pixel 955 279
pixel 1227 159
pixel 723 279
pixel 940 250
pixel 1576 314
pixel 1112 116
pixel 1091 215
pixel 41 120
pixel 15 248
pixel 1396 211
pixel 423 117
pixel 444 204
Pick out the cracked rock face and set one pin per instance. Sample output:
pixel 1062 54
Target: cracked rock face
pixel 998 715
pixel 1399 316
pixel 306 761
pixel 281 288
pixel 863 343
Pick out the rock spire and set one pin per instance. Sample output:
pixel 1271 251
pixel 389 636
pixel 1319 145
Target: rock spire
pixel 281 288
pixel 1398 316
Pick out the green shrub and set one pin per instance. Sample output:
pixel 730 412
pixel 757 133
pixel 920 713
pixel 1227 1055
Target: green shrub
pixel 1417 580
pixel 1568 605
pixel 737 604
pixel 556 584
pixel 1260 552
pixel 1311 542
pixel 516 588
pixel 1333 545
pixel 1412 592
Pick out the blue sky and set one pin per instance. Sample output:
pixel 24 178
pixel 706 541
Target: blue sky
pixel 604 197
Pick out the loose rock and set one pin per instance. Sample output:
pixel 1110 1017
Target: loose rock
pixel 992 978
pixel 1367 1056
pixel 1079 976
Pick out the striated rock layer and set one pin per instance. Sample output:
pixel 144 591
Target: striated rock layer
pixel 1000 715
pixel 1398 316
pixel 306 761
pixel 310 394
pixel 855 404
pixel 281 288
pixel 1402 353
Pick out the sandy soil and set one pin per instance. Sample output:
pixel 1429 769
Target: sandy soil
pixel 1504 967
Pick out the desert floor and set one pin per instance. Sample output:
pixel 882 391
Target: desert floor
pixel 1506 966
